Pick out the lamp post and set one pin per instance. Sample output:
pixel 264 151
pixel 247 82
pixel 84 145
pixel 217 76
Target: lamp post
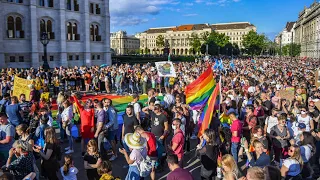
pixel 45 41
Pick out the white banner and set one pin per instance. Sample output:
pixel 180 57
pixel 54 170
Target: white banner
pixel 165 69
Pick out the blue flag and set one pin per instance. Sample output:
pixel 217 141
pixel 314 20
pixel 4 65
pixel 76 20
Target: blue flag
pixel 232 64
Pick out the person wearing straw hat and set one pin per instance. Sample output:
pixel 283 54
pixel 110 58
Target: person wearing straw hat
pixel 137 146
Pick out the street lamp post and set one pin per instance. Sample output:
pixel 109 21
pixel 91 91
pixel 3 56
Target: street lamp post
pixel 45 41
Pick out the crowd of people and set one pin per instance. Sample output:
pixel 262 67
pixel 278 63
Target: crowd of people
pixel 254 134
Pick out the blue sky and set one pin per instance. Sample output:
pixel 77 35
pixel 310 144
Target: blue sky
pixel 269 16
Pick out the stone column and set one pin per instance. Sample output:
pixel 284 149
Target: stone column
pixel 107 52
pixel 85 33
pixel 34 34
pixel 2 32
pixel 61 33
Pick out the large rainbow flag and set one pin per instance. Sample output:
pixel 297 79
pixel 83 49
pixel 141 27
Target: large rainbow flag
pixel 203 94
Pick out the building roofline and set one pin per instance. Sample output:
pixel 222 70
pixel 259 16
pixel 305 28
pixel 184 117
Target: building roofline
pixel 231 23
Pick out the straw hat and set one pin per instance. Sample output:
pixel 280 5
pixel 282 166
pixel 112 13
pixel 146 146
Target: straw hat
pixel 135 141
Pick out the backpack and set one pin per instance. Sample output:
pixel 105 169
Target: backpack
pixel 145 167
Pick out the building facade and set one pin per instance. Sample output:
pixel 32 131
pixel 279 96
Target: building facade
pixel 79 32
pixel 307 29
pixel 121 43
pixel 286 36
pixel 178 37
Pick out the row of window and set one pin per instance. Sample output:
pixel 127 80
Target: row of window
pixel 77 57
pixel 95 8
pixel 15 29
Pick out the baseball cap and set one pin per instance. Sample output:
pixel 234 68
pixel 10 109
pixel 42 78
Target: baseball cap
pixel 302 126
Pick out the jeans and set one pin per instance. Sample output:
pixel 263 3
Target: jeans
pixel 234 150
pixel 125 146
pixel 69 135
pixel 133 173
pixel 61 132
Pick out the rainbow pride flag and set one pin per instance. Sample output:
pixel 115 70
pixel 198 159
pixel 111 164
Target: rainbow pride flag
pixel 203 94
pixel 199 91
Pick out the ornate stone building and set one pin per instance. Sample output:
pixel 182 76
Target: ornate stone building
pixel 121 43
pixel 307 29
pixel 79 32
pixel 178 37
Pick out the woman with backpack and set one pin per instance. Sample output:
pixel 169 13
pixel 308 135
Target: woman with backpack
pixel 50 154
pixel 138 154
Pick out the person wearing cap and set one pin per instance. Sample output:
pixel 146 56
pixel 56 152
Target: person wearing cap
pixel 297 135
pixel 7 133
pixel 23 165
pixel 138 149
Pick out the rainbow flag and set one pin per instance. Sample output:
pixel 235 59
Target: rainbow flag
pixel 199 91
pixel 203 94
pixel 207 113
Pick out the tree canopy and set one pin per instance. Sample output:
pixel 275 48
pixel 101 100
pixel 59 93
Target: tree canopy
pixel 254 43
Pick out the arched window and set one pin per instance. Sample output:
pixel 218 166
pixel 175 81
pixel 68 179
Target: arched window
pixel 14 27
pixel 10 24
pixel 69 29
pixel 97 33
pixel 41 2
pixel 49 26
pixel 75 32
pixel 91 32
pixel 42 26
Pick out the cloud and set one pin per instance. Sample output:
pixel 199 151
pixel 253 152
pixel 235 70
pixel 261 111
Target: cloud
pixel 124 11
pixel 199 1
pixel 221 2
pixel 189 15
pixel 127 21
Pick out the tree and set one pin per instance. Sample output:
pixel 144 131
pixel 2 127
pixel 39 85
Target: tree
pixel 296 50
pixel 160 41
pixel 219 39
pixel 253 43
pixel 195 43
pixel 212 48
pixel 204 36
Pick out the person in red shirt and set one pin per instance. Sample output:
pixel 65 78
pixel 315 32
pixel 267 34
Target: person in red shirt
pixel 250 122
pixel 236 130
pixel 87 121
pixel 177 141
pixel 151 148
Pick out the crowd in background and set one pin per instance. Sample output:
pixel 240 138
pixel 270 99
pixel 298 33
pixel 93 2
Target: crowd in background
pixel 256 134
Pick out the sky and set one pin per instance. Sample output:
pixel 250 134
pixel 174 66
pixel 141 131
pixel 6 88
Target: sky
pixel 269 16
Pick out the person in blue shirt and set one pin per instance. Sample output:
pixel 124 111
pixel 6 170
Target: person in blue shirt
pixel 14 112
pixel 261 159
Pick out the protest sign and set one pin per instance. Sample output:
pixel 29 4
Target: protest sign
pixel 287 94
pixel 21 86
pixel 165 69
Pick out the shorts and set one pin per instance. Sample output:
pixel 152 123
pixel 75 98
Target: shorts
pixel 111 135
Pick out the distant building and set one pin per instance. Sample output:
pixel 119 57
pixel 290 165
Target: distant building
pixel 307 30
pixel 123 44
pixel 178 37
pixel 79 32
pixel 286 36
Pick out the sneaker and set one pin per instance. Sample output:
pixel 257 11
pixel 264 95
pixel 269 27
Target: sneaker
pixel 69 151
pixel 193 137
pixel 113 157
pixel 67 148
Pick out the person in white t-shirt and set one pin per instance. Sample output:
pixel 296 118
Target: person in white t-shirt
pixel 68 171
pixel 271 121
pixel 136 107
pixel 306 119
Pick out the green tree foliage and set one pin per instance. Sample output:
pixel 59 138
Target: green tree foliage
pixel 220 39
pixel 254 43
pixel 296 50
pixel 160 41
pixel 195 43
pixel 205 36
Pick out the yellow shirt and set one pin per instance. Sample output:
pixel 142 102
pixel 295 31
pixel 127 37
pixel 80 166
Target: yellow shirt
pixel 171 80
